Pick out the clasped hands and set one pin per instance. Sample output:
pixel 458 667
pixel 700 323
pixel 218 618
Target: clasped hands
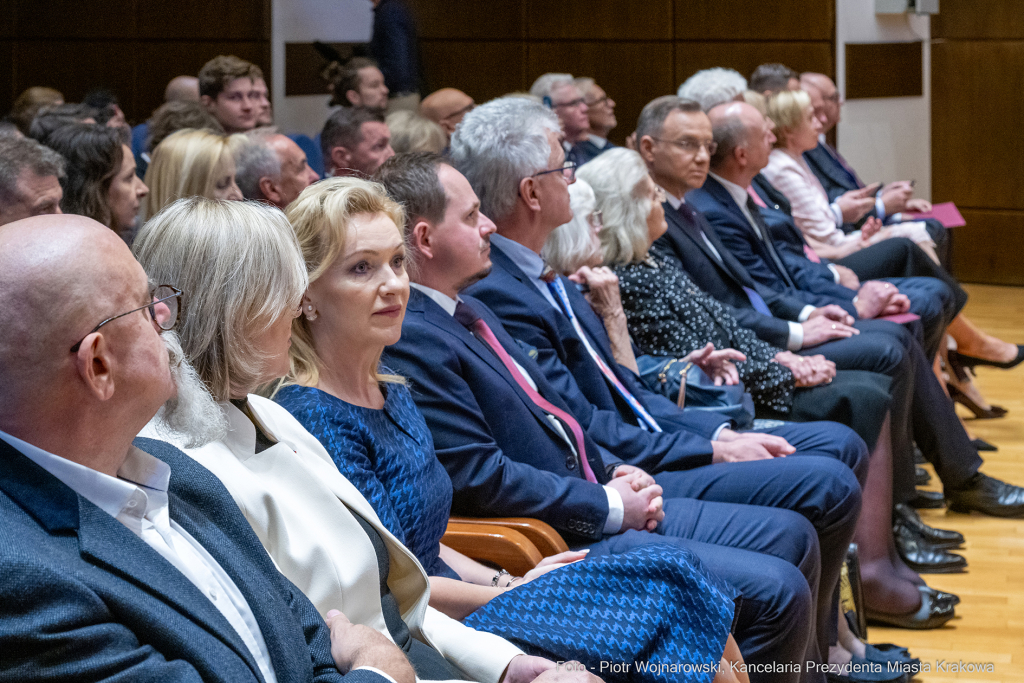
pixel 808 371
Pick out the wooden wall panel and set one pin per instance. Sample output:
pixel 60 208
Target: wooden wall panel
pixel 988 249
pixel 75 67
pixel 206 19
pixel 691 57
pixel 755 20
pixel 979 19
pixel 106 19
pixel 615 67
pixel 484 70
pixel 7 91
pixel 978 123
pixel 884 70
pixel 470 19
pixel 600 19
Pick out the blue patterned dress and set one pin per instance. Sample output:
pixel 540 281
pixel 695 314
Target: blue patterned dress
pixel 654 612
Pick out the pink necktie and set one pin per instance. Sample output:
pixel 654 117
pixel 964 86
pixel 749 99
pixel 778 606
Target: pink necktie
pixel 465 315
pixel 808 252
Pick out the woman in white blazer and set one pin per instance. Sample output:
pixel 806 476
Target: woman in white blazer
pixel 245 262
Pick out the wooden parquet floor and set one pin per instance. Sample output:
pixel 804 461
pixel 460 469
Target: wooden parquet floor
pixel 989 627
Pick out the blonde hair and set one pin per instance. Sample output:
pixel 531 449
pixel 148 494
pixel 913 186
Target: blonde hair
pixel 320 218
pixel 239 268
pixel 615 177
pixel 411 132
pixel 185 164
pixel 787 109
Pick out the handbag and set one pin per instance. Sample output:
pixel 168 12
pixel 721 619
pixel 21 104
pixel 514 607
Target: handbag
pixel 690 387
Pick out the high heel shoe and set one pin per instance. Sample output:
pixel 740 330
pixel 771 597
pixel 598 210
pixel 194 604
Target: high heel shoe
pixel 981 413
pixel 971 361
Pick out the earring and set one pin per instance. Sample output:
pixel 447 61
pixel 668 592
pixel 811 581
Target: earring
pixel 310 313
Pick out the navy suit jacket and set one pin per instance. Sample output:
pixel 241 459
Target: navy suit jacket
pixel 834 178
pixel 503 455
pixel 719 208
pixel 726 281
pixel 568 366
pixel 83 598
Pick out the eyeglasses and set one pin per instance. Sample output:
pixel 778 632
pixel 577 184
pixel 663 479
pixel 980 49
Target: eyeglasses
pixel 571 103
pixel 834 97
pixel 596 220
pixel 691 146
pixel 568 171
pixel 599 101
pixel 164 294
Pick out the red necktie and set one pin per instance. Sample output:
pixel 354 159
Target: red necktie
pixel 468 318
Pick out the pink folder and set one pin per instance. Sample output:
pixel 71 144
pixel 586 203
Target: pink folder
pixel 900 317
pixel 945 213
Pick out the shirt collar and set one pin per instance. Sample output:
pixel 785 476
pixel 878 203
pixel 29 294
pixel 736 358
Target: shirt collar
pixel 110 494
pixel 442 300
pixel 674 202
pixel 599 142
pixel 528 261
pixel 738 194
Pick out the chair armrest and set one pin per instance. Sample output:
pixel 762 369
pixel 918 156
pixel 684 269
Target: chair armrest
pixel 497 545
pixel 547 541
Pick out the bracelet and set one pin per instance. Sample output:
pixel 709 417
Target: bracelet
pixel 494 579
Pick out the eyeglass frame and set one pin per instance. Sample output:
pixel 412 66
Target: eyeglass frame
pixel 571 103
pixel 152 313
pixel 567 165
pixel 684 145
pixel 599 101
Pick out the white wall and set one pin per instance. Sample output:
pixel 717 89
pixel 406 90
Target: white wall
pixel 303 21
pixel 888 138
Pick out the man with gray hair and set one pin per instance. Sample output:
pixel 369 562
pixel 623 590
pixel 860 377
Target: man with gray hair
pixel 711 87
pixel 30 175
pixel 272 168
pixel 561 94
pixel 601 114
pixel 509 152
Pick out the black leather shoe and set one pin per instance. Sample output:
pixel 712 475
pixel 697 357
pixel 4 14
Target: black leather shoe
pixel 939 538
pixel 931 614
pixel 924 558
pixel 926 500
pixel 988 496
pixel 952 599
pixel 971 361
pixel 921 476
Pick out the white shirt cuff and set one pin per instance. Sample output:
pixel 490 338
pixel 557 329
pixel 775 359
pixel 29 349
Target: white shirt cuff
pixel 879 206
pixel 718 432
pixel 837 213
pixel 796 337
pixel 376 671
pixel 805 313
pixel 835 272
pixel 616 511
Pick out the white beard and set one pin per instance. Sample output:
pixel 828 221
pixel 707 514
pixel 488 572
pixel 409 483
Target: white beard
pixel 191 418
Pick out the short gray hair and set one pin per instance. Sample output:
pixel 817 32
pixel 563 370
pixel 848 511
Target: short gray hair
pixel 16 155
pixel 585 83
pixel 570 246
pixel 548 83
pixel 615 176
pixel 411 132
pixel 254 159
pixel 653 116
pixel 500 143
pixel 240 268
pixel 712 87
pixel 729 133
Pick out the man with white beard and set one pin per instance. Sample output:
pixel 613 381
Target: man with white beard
pixel 118 564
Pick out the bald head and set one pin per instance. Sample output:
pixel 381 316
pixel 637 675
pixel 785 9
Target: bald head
pixel 824 98
pixel 744 138
pixel 182 89
pixel 446 107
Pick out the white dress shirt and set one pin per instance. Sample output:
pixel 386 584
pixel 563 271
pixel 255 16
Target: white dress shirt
pixel 796 331
pixel 137 498
pixel 616 508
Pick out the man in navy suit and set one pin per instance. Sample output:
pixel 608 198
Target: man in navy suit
pixel 744 138
pixel 116 564
pixel 509 455
pixel 676 141
pixel 838 177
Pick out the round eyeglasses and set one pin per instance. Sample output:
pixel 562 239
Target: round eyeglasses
pixel 165 317
pixel 568 171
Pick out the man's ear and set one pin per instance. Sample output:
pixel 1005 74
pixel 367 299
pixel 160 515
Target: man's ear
pixel 95 366
pixel 269 190
pixel 420 238
pixel 741 155
pixel 645 146
pixel 528 193
pixel 354 97
pixel 341 157
pixel 207 102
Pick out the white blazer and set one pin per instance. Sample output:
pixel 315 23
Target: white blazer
pixel 301 508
